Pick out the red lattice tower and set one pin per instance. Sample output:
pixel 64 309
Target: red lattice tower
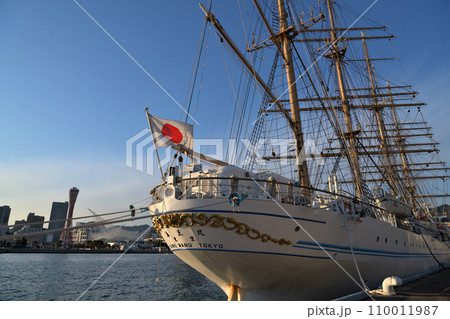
pixel 66 236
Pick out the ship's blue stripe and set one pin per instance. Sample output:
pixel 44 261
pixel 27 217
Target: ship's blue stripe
pixel 253 252
pixel 243 212
pixel 358 249
pixel 390 255
pixel 294 255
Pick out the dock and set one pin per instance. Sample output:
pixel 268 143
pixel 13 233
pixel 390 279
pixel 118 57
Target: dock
pixel 434 287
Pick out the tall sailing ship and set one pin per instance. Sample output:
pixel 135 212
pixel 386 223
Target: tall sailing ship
pixel 340 179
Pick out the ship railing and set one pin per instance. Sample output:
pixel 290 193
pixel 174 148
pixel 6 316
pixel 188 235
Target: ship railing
pixel 224 187
pixel 202 187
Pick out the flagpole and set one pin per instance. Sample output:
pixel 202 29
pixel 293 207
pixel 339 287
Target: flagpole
pixel 156 146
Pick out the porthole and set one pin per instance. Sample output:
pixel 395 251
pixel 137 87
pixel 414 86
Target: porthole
pixel 378 239
pixel 297 228
pixel 385 240
pixel 396 242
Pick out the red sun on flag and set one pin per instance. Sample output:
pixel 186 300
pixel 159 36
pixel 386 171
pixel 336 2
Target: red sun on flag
pixel 172 133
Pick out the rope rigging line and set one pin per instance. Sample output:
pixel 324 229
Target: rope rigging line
pixel 351 243
pixel 142 200
pixel 63 220
pixel 316 242
pixel 107 269
pixel 333 120
pixel 143 233
pixel 133 59
pixel 232 87
pixel 193 79
pixel 157 274
pixel 261 121
pixel 91 225
pixel 431 252
pixel 247 95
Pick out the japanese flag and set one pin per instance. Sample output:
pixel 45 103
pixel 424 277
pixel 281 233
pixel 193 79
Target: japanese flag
pixel 171 133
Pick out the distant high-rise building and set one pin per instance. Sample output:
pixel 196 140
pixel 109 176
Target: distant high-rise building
pixel 66 236
pixel 18 225
pixel 59 212
pixel 33 218
pixel 5 211
pixel 33 224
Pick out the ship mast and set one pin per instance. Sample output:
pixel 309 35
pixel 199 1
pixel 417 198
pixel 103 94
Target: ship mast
pixel 381 127
pixel 400 141
pixel 285 40
pixel 401 181
pixel 350 135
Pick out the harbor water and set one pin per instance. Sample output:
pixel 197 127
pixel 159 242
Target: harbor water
pixel 133 277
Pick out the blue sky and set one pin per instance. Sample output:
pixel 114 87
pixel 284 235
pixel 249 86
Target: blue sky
pixel 70 97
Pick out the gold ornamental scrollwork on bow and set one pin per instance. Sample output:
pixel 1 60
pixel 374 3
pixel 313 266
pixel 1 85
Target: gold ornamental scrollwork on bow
pixel 214 221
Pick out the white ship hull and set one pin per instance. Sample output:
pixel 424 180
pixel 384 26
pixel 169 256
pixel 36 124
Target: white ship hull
pixel 285 263
pixel 274 228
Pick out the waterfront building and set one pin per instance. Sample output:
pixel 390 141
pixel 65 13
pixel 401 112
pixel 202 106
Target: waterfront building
pixel 5 211
pixel 32 241
pixel 143 244
pixel 59 212
pixel 81 235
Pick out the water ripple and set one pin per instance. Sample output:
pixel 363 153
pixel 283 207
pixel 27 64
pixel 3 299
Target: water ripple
pixel 133 277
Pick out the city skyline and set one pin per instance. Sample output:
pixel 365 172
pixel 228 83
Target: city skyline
pixel 71 97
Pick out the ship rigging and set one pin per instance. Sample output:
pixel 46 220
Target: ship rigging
pixel 337 148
